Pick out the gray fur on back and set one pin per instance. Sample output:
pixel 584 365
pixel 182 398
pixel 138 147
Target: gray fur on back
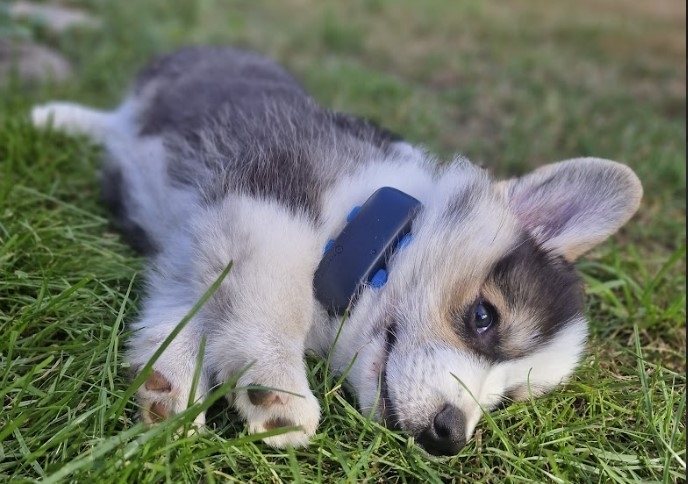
pixel 235 121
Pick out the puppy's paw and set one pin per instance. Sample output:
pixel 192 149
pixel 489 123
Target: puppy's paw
pixel 70 118
pixel 168 389
pixel 43 114
pixel 159 399
pixel 265 408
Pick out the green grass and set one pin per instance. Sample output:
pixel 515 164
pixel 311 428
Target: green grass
pixel 510 85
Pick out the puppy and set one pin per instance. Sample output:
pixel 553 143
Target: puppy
pixel 218 155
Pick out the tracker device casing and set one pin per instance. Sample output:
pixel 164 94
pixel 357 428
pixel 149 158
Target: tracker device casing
pixel 363 247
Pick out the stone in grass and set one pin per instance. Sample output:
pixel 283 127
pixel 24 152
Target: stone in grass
pixel 31 63
pixel 54 17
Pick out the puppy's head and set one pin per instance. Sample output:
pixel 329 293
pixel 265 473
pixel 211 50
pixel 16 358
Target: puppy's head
pixel 485 305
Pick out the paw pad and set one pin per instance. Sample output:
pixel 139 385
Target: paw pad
pixel 277 423
pixel 158 383
pixel 156 413
pixel 263 398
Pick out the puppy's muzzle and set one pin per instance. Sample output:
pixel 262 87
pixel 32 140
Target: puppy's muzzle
pixel 446 435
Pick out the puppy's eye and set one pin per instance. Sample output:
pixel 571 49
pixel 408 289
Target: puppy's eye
pixel 484 316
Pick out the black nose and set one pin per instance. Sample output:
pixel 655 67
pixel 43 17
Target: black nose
pixel 447 434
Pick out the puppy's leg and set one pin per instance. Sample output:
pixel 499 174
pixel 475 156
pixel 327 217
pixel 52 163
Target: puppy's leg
pixel 145 200
pixel 168 390
pixel 260 316
pixel 73 118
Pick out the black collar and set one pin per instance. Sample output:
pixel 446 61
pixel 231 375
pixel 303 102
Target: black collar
pixel 359 254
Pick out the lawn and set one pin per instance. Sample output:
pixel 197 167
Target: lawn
pixel 511 85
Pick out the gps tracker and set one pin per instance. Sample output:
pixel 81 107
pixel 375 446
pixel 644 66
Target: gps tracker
pixel 361 250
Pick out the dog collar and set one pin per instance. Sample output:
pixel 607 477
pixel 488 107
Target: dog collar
pixel 358 255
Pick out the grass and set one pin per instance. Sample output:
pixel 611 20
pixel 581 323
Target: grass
pixel 510 85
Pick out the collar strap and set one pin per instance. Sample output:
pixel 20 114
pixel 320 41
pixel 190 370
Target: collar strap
pixel 359 254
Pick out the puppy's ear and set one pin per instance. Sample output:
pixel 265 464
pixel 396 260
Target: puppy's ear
pixel 573 205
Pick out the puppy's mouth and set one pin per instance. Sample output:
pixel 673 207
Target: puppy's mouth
pixel 387 411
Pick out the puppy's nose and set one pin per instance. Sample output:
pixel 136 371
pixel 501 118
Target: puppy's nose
pixel 447 434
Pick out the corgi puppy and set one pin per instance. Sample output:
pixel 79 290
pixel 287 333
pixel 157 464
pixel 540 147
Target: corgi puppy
pixel 219 156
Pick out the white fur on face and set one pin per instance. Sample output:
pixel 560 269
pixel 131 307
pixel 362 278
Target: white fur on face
pixel 421 381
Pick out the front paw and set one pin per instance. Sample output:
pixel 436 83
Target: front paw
pixel 159 400
pixel 168 389
pixel 265 408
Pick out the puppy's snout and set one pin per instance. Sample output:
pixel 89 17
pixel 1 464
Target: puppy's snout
pixel 447 433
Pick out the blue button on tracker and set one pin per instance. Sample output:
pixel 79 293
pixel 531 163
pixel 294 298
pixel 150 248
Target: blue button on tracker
pixel 379 279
